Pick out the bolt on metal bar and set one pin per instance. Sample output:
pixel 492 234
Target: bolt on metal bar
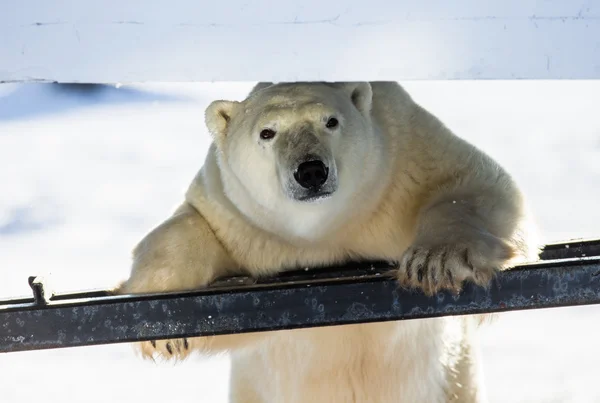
pixel 568 275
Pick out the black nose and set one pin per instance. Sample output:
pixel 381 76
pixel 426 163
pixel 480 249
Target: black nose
pixel 311 174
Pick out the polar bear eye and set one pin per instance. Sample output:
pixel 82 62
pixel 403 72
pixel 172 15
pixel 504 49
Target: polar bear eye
pixel 331 123
pixel 267 134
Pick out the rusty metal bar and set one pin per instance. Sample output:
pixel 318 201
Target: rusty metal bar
pixel 569 275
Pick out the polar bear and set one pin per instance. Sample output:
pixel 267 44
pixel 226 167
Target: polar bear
pixel 312 174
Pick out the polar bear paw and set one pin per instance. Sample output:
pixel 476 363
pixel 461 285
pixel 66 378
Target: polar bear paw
pixel 445 267
pixel 175 349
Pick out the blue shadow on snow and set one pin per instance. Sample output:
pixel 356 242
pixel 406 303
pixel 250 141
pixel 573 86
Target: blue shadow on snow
pixel 22 220
pixel 34 100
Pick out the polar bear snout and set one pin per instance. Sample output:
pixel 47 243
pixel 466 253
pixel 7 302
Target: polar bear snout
pixel 311 174
pixel 311 178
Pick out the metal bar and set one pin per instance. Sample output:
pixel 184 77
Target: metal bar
pixel 359 293
pixel 571 249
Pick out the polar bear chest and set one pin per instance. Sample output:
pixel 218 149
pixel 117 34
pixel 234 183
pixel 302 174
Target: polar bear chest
pixel 374 363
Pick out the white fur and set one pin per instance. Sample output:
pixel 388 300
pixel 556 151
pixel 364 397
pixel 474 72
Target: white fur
pixel 408 190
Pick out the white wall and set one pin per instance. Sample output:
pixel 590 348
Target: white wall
pixel 159 40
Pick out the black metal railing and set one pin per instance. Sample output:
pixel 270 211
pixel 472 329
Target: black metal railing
pixel 567 275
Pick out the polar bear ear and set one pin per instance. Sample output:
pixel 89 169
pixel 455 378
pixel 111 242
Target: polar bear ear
pixel 218 115
pixel 361 95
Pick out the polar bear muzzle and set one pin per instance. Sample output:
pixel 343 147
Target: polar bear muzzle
pixel 312 179
pixel 311 174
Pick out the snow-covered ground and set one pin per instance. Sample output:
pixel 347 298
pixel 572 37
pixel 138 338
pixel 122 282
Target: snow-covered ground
pixel 83 178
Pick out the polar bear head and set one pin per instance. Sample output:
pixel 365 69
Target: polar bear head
pixel 294 157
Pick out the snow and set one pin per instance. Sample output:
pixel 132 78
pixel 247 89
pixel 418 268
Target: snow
pixel 83 178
